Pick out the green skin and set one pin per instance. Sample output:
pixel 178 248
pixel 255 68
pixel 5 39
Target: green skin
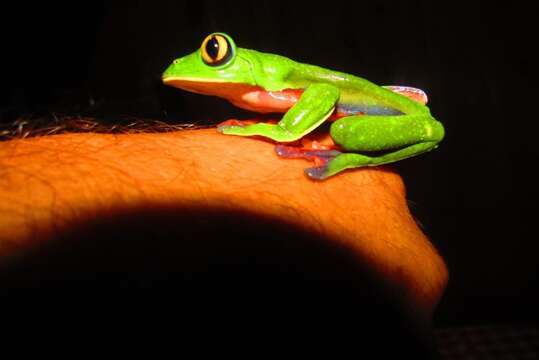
pixel 389 122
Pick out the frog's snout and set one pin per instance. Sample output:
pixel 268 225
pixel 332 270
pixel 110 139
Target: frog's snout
pixel 172 69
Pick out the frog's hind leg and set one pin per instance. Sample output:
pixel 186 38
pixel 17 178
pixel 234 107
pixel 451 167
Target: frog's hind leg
pixel 351 160
pixel 400 137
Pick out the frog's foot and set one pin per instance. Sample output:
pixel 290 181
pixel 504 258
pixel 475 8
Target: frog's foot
pixel 317 172
pixel 325 169
pixel 249 127
pixel 344 161
pixel 327 162
pixel 320 157
pixel 234 122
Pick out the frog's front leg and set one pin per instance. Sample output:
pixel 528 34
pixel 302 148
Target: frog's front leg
pixel 400 137
pixel 315 105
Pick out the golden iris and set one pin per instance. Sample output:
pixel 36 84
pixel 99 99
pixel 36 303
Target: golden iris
pixel 215 49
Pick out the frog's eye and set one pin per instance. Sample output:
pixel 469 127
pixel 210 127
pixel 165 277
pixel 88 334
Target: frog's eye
pixel 216 50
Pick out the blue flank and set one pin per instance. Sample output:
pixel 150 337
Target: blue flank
pixel 367 110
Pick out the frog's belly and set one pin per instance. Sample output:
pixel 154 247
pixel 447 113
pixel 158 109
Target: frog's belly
pixel 263 101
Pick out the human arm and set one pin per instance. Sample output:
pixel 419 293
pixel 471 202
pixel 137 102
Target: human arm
pixel 50 183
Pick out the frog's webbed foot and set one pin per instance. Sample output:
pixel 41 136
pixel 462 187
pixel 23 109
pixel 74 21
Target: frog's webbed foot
pixel 243 123
pixel 320 158
pixel 317 172
pixel 294 152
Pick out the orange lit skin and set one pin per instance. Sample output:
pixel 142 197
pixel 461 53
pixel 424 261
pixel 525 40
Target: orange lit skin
pixel 46 183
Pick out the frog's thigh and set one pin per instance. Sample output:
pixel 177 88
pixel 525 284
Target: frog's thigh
pixel 380 133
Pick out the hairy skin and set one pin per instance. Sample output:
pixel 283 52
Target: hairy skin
pixel 49 183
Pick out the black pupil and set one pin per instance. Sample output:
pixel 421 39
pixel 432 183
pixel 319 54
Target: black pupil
pixel 212 48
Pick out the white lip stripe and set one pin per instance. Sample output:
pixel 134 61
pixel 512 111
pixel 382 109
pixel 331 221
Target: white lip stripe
pixel 191 79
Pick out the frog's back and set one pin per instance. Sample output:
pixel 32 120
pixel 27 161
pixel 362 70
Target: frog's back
pixel 358 95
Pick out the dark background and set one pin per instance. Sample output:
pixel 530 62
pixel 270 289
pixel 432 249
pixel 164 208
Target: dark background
pixel 475 196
